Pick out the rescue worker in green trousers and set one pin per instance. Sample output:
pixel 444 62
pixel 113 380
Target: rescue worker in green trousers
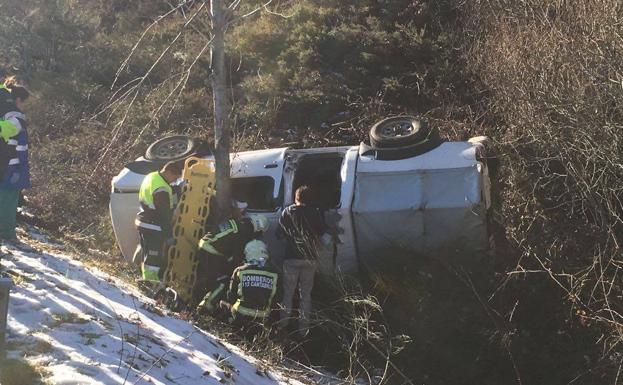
pixel 219 253
pixel 14 163
pixel 154 220
pixel 252 290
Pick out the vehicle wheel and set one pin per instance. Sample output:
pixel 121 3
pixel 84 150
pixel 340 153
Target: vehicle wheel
pixel 404 152
pixel 171 148
pixel 398 131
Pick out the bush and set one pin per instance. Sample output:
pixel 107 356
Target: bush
pixel 18 372
pixel 552 71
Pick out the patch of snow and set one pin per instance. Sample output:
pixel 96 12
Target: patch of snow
pixel 86 327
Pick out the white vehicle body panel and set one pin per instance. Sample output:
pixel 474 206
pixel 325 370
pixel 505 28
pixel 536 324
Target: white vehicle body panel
pixel 259 163
pixel 127 181
pixel 346 258
pixel 421 204
pixel 123 209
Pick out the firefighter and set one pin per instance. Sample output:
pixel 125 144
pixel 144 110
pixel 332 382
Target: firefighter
pixel 154 219
pixel 219 253
pixel 252 289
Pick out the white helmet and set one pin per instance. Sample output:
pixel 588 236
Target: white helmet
pixel 260 223
pixel 255 251
pixel 240 205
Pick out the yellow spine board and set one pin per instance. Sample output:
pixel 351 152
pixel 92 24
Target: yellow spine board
pixel 188 225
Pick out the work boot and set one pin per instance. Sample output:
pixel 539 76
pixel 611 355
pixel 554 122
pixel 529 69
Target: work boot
pixel 169 298
pixel 204 307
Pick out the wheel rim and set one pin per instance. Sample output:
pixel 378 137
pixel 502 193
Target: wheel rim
pixel 171 148
pixel 397 129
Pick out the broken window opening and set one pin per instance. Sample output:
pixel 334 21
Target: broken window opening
pixel 322 173
pixel 256 191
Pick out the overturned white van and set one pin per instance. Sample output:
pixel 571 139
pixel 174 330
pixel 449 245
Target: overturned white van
pixel 408 190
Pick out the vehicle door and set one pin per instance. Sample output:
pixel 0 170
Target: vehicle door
pixel 345 253
pixel 257 179
pixel 305 167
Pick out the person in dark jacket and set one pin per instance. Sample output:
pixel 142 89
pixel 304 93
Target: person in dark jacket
pixel 220 251
pixel 252 290
pixel 154 219
pixel 17 172
pixel 303 226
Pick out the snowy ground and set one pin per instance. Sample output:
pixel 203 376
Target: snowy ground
pixel 86 327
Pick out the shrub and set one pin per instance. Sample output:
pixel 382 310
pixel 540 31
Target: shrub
pixel 552 71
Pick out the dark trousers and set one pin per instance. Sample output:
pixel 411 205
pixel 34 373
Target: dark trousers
pixel 212 272
pixel 152 249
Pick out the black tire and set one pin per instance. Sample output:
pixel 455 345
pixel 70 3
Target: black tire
pixel 398 131
pixel 174 147
pixel 403 152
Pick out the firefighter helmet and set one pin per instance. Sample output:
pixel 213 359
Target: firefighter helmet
pixel 255 251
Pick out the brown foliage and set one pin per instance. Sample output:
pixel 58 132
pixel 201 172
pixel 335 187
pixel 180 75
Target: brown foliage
pixel 553 72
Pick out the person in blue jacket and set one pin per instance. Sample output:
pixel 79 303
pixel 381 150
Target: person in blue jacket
pixel 17 175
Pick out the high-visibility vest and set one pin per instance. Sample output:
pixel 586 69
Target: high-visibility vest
pixel 256 291
pixel 152 184
pixel 8 129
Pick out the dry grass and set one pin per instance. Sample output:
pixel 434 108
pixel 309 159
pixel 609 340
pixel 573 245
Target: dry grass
pixel 67 318
pixel 20 372
pixel 553 71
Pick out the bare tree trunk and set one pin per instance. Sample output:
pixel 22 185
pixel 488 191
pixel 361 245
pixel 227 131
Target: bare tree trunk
pixel 222 109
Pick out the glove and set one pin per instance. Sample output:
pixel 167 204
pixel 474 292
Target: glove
pixel 14 178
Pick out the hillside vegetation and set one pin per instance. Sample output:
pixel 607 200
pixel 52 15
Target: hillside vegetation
pixel 542 78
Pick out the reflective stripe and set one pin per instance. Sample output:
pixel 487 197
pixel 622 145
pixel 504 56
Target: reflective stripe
pixel 207 246
pixel 14 114
pixel 21 148
pixel 160 189
pixel 213 295
pixel 13 162
pixel 12 142
pixel 149 226
pixel 248 311
pixel 231 230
